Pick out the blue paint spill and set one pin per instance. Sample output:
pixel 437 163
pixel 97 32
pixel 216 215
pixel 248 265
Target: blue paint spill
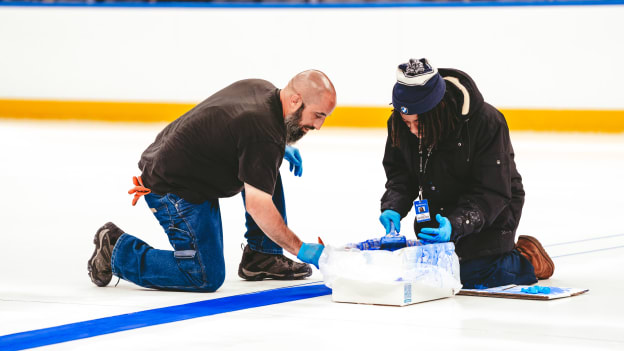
pixel 108 325
pixel 545 290
pixel 536 289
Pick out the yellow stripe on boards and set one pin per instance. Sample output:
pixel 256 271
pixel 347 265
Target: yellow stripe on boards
pixel 364 117
pixel 93 110
pixel 606 121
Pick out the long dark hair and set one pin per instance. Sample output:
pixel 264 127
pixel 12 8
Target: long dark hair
pixel 433 125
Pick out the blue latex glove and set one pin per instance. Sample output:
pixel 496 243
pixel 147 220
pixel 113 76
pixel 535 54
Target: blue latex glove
pixel 390 216
pixel 291 154
pixel 310 253
pixel 441 234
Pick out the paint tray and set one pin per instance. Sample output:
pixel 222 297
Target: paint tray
pixel 515 292
pixel 398 278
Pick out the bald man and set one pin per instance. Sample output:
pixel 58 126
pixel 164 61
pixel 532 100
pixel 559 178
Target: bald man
pixel 232 142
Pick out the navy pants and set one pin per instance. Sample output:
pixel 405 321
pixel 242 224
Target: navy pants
pixel 492 271
pixel 196 262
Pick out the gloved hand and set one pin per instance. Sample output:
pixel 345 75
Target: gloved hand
pixel 390 216
pixel 291 154
pixel 310 253
pixel 441 234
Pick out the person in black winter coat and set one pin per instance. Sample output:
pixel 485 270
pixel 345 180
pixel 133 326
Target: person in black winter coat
pixel 451 152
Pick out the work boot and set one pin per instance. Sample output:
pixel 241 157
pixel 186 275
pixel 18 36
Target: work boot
pixel 257 266
pixel 99 265
pixel 532 250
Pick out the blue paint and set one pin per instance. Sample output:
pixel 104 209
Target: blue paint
pixel 263 5
pixel 546 290
pixel 101 326
pixel 536 289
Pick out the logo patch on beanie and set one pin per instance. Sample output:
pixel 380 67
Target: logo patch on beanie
pixel 404 109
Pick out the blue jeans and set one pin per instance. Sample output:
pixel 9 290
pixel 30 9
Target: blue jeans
pixel 492 271
pixel 196 234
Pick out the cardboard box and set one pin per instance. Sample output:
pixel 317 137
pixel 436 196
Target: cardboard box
pixel 397 293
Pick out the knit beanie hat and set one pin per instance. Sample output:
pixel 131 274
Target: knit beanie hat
pixel 419 87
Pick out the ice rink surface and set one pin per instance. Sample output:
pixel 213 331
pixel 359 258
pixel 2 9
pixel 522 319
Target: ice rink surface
pixel 63 180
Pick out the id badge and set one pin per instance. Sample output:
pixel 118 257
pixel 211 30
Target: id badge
pixel 422 210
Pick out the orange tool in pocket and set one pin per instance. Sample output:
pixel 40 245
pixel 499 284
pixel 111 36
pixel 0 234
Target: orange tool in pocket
pixel 138 190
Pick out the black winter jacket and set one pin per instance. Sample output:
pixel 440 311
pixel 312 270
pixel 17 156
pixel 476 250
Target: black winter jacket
pixel 471 176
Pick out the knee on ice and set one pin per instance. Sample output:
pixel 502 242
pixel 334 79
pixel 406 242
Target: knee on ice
pixel 212 282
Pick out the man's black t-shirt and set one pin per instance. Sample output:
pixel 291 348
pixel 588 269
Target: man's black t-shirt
pixel 233 137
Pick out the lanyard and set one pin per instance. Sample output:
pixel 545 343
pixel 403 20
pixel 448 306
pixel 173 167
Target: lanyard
pixel 422 169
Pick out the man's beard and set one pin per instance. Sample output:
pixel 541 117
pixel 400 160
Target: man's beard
pixel 294 130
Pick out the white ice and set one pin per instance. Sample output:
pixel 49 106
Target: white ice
pixel 61 180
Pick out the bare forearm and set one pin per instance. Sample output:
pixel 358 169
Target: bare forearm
pixel 261 208
pixel 272 224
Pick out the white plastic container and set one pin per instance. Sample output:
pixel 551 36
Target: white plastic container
pixel 398 278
